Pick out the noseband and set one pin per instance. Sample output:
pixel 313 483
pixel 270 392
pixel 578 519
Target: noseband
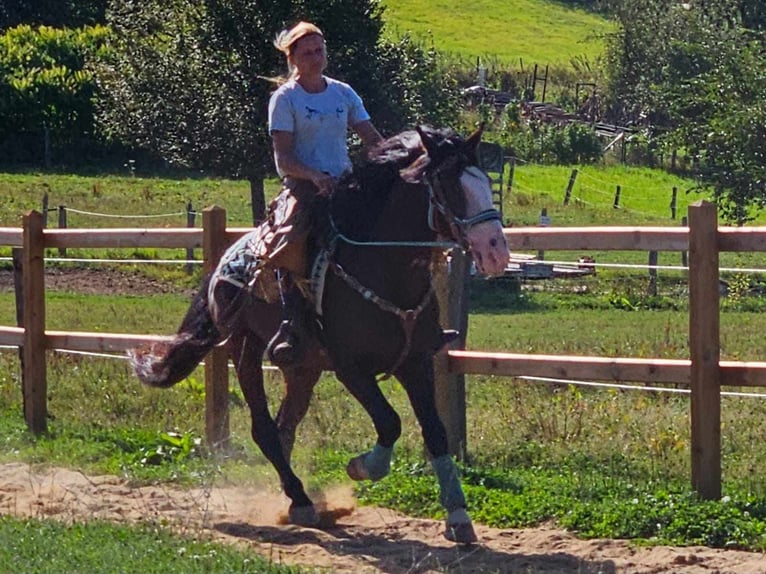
pixel 459 226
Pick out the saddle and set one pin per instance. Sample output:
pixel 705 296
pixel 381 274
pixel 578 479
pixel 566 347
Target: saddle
pixel 279 243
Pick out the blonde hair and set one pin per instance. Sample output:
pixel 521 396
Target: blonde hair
pixel 289 36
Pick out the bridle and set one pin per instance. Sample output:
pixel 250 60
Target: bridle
pixel 459 226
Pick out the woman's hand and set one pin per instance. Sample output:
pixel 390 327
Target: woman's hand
pixel 325 183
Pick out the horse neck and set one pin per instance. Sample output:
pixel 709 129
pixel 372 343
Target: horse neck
pixel 399 272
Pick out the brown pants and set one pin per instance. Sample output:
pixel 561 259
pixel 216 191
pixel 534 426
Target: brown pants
pixel 289 221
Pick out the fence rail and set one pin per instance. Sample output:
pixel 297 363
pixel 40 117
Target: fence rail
pixel 703 372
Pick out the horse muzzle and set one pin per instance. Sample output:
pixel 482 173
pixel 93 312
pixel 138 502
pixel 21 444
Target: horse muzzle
pixel 489 247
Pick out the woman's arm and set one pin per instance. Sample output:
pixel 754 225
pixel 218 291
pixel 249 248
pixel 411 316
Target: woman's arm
pixel 367 133
pixel 289 164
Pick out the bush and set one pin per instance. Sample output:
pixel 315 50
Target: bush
pixel 573 143
pixel 46 92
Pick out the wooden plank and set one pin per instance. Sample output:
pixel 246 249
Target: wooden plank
pixel 11 237
pixel 99 342
pixel 742 374
pixel 12 336
pixel 598 238
pixel 34 372
pixel 704 349
pixel 570 367
pixel 182 238
pixel 217 363
pixel 742 239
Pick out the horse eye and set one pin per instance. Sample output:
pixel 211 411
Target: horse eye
pixel 493 243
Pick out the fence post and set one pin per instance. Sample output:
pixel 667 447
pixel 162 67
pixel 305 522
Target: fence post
pixel 653 259
pixel 673 203
pixel 449 388
pixel 190 217
pixel 217 362
pixel 704 347
pixel 34 375
pixel 44 209
pixel 545 221
pixel 570 185
pixel 62 225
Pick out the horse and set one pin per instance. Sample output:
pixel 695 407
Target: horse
pixel 377 310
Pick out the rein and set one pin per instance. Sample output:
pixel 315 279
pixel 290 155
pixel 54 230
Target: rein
pixel 408 317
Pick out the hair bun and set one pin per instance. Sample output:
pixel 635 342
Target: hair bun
pixel 287 37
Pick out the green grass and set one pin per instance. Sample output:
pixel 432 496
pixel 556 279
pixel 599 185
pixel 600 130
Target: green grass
pixel 600 462
pixel 529 31
pixel 50 547
pixel 110 194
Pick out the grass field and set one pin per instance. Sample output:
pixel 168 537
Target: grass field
pixel 514 32
pixel 520 432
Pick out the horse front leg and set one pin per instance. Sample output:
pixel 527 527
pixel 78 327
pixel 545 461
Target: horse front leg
pixel 417 377
pixel 299 388
pixel 247 353
pixel 375 463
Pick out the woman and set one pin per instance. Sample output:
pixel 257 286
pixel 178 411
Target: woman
pixel 309 118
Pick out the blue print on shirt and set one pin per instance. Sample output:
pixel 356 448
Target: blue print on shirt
pixel 310 112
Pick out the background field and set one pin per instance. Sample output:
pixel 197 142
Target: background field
pixel 513 32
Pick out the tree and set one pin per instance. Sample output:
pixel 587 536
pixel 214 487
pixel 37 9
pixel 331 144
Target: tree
pixel 187 80
pixel 56 13
pixel 695 75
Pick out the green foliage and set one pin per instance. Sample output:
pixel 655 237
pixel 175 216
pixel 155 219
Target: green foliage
pixel 572 144
pixel 44 85
pixel 594 498
pixel 695 74
pixel 193 91
pixel 57 13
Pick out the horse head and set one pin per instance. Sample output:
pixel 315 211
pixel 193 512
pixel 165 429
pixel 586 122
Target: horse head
pixel 461 196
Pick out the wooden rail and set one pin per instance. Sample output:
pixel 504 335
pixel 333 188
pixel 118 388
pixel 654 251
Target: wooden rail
pixel 703 371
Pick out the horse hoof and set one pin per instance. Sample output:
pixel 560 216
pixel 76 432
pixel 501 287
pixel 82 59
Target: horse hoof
pixel 356 469
pixel 303 516
pixel 459 528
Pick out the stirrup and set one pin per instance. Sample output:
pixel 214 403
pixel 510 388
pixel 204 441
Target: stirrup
pixel 284 348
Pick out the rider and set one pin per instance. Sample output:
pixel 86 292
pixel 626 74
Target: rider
pixel 309 117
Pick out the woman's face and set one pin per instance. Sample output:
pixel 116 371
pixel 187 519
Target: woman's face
pixel 309 55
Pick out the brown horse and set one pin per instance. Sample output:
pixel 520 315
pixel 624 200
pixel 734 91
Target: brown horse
pixel 377 311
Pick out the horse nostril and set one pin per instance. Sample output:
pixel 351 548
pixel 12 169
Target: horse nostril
pixel 493 243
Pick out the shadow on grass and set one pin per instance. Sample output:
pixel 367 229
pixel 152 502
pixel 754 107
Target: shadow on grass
pixel 499 295
pixel 398 553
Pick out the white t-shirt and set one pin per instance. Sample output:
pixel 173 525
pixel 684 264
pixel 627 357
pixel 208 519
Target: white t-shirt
pixel 319 122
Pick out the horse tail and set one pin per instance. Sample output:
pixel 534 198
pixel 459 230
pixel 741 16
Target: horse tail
pixel 165 363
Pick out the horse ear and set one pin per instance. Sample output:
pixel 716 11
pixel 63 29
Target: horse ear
pixel 427 139
pixel 473 140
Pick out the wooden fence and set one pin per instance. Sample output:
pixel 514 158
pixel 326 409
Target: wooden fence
pixel 702 371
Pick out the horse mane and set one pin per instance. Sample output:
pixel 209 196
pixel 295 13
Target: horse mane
pixel 401 159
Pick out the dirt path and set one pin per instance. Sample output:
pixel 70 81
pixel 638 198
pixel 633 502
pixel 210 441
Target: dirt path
pixel 369 539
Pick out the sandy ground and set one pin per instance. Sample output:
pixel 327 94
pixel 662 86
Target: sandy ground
pixel 369 540
pixel 366 540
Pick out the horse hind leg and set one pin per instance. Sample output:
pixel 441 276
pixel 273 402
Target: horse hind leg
pixel 417 377
pixel 247 353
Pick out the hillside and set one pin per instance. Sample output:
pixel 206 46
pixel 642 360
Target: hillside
pixel 533 31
